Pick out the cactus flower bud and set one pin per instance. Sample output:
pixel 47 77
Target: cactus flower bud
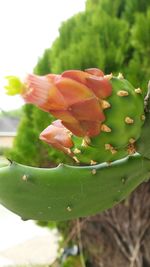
pixel 104 113
pixel 74 97
pixel 57 136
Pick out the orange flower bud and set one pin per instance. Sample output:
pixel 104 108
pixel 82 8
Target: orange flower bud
pixel 57 136
pixel 72 97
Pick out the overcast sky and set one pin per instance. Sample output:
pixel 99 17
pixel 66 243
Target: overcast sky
pixel 27 27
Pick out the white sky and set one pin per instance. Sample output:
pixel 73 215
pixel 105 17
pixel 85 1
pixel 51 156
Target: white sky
pixel 27 27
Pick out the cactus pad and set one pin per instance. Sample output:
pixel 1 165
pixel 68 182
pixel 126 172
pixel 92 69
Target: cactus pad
pixel 68 192
pixel 120 130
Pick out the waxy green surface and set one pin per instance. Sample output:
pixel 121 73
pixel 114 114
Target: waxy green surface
pixel 121 107
pixel 69 192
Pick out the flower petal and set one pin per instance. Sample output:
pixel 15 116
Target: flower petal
pixel 95 72
pixel 37 89
pixel 75 128
pixel 74 97
pixel 88 110
pixel 91 128
pixel 64 115
pixel 100 86
pixel 55 100
pixel 57 136
pixel 77 75
pixel 73 91
pixel 84 128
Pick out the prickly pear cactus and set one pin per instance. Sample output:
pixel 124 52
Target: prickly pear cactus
pixel 99 116
pixel 100 119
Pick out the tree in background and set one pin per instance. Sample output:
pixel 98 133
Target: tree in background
pixel 139 64
pixel 25 153
pixel 43 66
pixel 114 36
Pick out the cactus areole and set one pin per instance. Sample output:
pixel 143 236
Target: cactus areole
pixel 100 124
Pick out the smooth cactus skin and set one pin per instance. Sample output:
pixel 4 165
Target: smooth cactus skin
pixel 125 103
pixel 68 192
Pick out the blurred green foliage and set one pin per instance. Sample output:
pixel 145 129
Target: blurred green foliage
pixel 43 66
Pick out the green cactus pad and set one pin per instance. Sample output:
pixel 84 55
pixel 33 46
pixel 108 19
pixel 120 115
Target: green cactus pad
pixel 68 192
pixel 124 119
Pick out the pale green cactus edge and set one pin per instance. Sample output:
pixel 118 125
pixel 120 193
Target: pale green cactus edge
pixel 68 192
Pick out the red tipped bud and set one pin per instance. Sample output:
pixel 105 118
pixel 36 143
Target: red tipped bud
pixel 57 136
pixel 72 97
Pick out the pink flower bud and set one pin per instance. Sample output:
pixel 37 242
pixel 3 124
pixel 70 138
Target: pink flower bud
pixel 73 97
pixel 57 136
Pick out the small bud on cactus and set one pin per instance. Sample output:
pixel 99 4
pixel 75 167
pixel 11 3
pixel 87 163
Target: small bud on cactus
pixel 106 110
pixel 57 136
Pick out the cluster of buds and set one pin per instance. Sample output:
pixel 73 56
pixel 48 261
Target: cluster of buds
pixel 76 98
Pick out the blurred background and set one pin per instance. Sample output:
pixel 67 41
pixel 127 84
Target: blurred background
pixel 50 37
